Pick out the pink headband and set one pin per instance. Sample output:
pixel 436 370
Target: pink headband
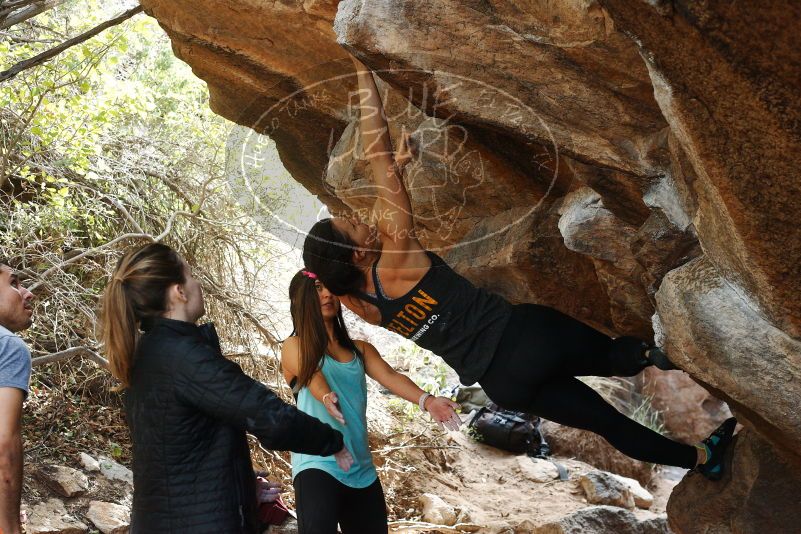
pixel 309 274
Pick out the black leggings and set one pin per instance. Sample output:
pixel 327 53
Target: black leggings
pixel 542 351
pixel 322 501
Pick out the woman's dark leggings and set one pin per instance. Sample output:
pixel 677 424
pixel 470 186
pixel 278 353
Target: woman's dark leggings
pixel 542 351
pixel 323 501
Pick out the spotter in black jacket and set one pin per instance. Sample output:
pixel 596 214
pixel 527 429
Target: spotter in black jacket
pixel 188 409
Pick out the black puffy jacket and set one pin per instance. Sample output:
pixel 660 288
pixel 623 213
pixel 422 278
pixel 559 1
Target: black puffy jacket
pixel 188 409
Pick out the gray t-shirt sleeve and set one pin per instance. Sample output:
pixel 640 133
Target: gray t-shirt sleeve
pixel 15 363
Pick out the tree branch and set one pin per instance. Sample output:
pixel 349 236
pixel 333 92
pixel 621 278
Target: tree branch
pixel 70 353
pixel 9 18
pixel 17 39
pixel 108 244
pixel 49 54
pixel 237 306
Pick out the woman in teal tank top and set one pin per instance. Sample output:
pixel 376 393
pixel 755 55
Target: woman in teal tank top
pixel 327 371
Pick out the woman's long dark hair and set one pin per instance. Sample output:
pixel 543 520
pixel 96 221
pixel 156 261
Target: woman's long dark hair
pixel 327 252
pixel 137 289
pixel 309 326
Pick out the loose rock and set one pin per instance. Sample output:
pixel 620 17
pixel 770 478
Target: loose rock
pixel 108 517
pixel 603 520
pixel 642 497
pixel 437 511
pixel 52 518
pixel 114 471
pixel 290 526
pixel 594 450
pixel 89 463
pixel 537 469
pixel 602 488
pixel 65 481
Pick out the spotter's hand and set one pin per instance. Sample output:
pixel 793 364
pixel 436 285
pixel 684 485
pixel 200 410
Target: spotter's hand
pixel 443 411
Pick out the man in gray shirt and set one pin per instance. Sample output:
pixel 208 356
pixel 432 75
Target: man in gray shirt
pixel 16 314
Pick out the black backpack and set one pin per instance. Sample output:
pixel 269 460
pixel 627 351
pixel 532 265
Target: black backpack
pixel 508 430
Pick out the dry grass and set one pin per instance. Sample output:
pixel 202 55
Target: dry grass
pixel 622 394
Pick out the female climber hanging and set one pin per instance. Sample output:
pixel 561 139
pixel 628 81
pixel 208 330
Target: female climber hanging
pixel 525 356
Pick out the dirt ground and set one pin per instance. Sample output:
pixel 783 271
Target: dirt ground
pixel 492 488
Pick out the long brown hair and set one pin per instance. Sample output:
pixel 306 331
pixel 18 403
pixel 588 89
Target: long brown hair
pixel 137 289
pixel 308 324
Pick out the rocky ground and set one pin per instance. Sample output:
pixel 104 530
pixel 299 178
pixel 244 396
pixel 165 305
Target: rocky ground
pixel 434 481
pixel 90 495
pixel 487 490
pixel 77 450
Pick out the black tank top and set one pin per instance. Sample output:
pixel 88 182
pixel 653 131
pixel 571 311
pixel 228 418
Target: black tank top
pixel 448 315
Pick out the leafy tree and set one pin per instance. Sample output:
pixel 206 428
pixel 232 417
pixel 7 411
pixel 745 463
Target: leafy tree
pixel 109 144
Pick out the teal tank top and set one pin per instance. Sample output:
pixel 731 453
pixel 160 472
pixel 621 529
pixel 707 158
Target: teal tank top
pixel 348 381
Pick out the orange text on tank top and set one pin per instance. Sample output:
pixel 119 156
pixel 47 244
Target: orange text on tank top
pixel 416 317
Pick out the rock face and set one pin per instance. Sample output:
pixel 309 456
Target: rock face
pixel 575 153
pixel 760 479
pixel 747 188
pixel 757 373
pixel 689 411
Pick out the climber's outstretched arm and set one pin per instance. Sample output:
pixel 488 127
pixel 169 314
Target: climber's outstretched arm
pixel 392 212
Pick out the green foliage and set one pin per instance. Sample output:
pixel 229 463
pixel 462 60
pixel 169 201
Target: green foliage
pixel 116 450
pixel 473 434
pixel 107 146
pixel 113 138
pixel 124 81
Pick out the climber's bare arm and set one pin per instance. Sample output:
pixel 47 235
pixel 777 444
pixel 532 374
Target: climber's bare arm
pixel 442 409
pixel 392 210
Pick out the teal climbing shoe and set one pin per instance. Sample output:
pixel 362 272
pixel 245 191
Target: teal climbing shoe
pixel 716 445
